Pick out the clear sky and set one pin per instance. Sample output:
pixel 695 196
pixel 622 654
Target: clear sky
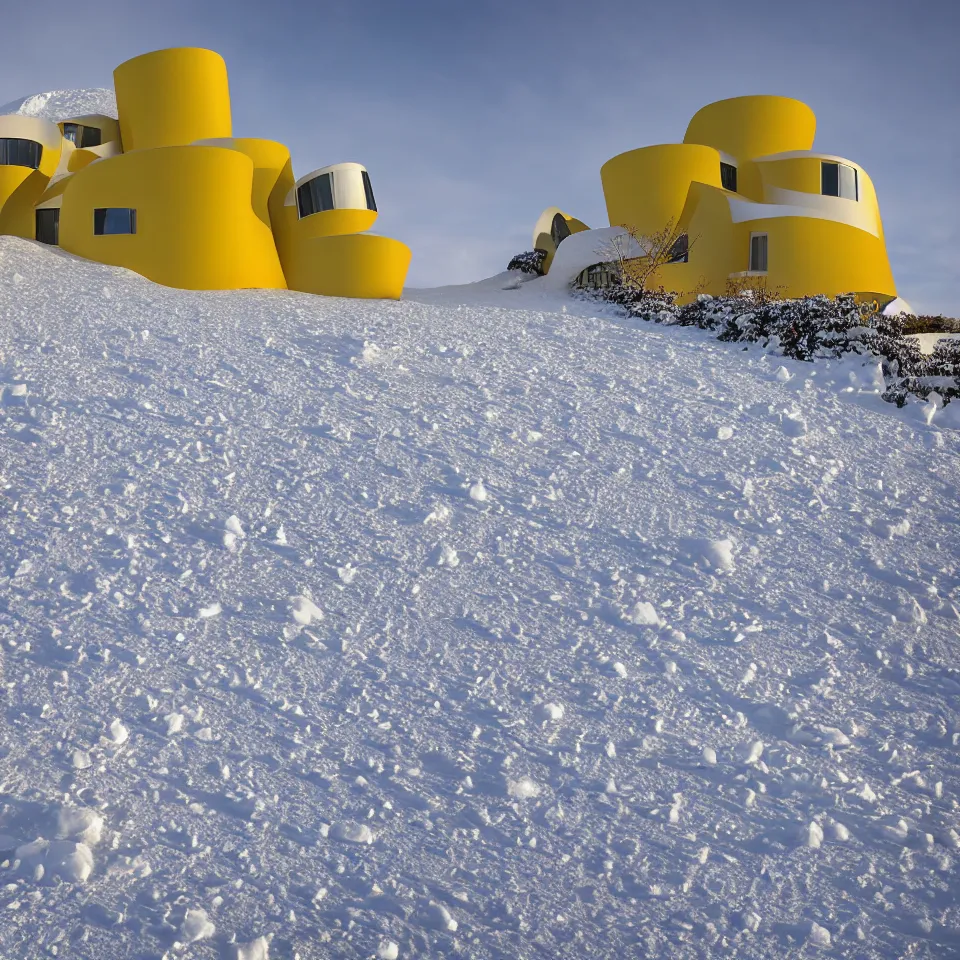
pixel 472 118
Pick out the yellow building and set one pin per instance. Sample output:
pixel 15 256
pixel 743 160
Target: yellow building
pixel 749 203
pixel 167 191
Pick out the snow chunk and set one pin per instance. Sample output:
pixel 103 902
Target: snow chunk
pixel 644 614
pixel 258 949
pixel 478 492
pixel 305 611
pixel 524 788
pixel 718 554
pixel 388 950
pixel 550 711
pixel 448 557
pixel 750 751
pixel 818 936
pixel 197 926
pixel 437 917
pixel 63 859
pixel 208 612
pixel 119 733
pixel 350 832
pixel 811 835
pixel 724 433
pixel 80 823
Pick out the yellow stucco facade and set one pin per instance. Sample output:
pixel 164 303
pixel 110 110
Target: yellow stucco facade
pixel 166 190
pixel 754 205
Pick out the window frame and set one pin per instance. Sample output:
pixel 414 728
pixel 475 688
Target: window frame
pixel 753 266
pixel 838 166
pixel 727 168
pixel 101 220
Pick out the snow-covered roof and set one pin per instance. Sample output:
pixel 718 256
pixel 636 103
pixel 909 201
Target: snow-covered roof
pixel 58 105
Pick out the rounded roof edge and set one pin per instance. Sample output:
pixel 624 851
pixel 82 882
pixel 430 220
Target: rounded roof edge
pixel 659 146
pixel 167 50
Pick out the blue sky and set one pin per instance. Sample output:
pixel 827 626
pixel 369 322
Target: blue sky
pixel 474 117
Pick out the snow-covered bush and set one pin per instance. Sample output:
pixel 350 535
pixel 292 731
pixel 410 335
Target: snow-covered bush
pixel 809 328
pixel 529 262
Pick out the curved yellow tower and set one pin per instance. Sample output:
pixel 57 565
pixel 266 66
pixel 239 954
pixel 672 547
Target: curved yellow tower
pixel 170 98
pixel 30 153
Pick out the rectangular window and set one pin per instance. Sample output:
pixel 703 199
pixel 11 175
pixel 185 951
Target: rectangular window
pixel 758 253
pixel 839 180
pixel 48 226
pixel 680 251
pixel 91 137
pixel 368 191
pixel 71 132
pixel 316 195
pixel 20 153
pixel 108 221
pixel 728 176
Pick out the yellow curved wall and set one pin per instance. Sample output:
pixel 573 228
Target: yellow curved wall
pixel 196 228
pixel 751 127
pixel 172 98
pixel 647 188
pixel 353 265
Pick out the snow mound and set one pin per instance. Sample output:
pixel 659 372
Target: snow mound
pixel 657 694
pixel 59 105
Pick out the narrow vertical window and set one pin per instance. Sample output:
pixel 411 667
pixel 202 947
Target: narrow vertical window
pixel 680 251
pixel 109 221
pixel 559 229
pixel 48 226
pixel 848 182
pixel 758 253
pixel 72 132
pixel 368 191
pixel 728 176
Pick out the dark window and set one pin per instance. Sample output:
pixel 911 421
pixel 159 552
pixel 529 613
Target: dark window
pixel 316 195
pixel 559 229
pixel 92 137
pixel 48 226
pixel 680 251
pixel 839 180
pixel 758 253
pixel 72 132
pixel 728 176
pixel 20 153
pixel 113 220
pixel 368 191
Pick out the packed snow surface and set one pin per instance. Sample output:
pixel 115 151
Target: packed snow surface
pixel 352 629
pixel 59 105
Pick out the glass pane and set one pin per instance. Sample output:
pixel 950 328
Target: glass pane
pixel 559 229
pixel 830 179
pixel 71 132
pixel 322 189
pixel 305 200
pixel 92 137
pixel 114 220
pixel 728 176
pixel 848 181
pixel 758 253
pixel 680 251
pixel 368 191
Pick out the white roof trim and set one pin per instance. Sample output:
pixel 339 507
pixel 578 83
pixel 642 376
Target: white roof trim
pixel 349 200
pixel 44 132
pixel 793 203
pixel 806 155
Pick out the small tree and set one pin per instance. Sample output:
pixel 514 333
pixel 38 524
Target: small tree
pixel 529 262
pixel 638 257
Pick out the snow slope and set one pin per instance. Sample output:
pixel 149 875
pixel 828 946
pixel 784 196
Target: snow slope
pixel 350 629
pixel 58 105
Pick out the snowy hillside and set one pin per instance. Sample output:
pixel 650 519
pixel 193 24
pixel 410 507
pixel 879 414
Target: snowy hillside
pixel 58 105
pixel 365 629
